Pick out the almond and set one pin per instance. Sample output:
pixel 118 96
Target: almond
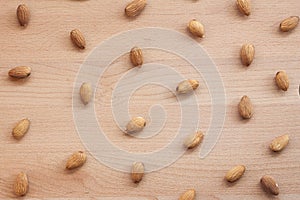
pixel 21 128
pixel 21 185
pixel 279 143
pixel 135 125
pixel 77 38
pixel 136 56
pixel 289 23
pixel 137 172
pixel 86 93
pixel 247 54
pixel 76 160
pixel 135 7
pixel 245 107
pixel 244 6
pixel 282 80
pixel 196 28
pixel 188 195
pixel 269 184
pixel 193 140
pixel 235 173
pixel 187 86
pixel 20 72
pixel 23 14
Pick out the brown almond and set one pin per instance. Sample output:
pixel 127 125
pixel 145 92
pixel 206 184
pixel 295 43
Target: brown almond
pixel 135 7
pixel 135 125
pixel 137 172
pixel 85 93
pixel 187 86
pixel 23 14
pixel 77 38
pixel 247 54
pixel 279 143
pixel 289 23
pixel 282 80
pixel 21 128
pixel 244 6
pixel 76 160
pixel 20 72
pixel 235 173
pixel 245 107
pixel 188 195
pixel 269 184
pixel 136 56
pixel 196 28
pixel 193 140
pixel 21 185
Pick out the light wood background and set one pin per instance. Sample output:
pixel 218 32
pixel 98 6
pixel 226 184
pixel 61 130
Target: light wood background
pixel 46 98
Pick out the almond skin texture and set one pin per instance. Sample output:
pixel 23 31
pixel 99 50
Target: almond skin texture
pixel 21 128
pixel 136 56
pixel 235 173
pixel 193 140
pixel 21 185
pixel 187 86
pixel 247 54
pixel 137 172
pixel 289 23
pixel 282 80
pixel 20 72
pixel 245 107
pixel 135 7
pixel 244 6
pixel 188 195
pixel 269 185
pixel 23 15
pixel 196 28
pixel 279 143
pixel 135 125
pixel 76 160
pixel 85 93
pixel 77 38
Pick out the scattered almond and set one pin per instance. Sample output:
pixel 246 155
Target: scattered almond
pixel 279 143
pixel 282 80
pixel 86 93
pixel 235 173
pixel 187 86
pixel 137 172
pixel 245 107
pixel 136 56
pixel 289 23
pixel 76 160
pixel 135 7
pixel 21 185
pixel 135 125
pixel 247 54
pixel 77 38
pixel 188 195
pixel 20 72
pixel 244 6
pixel 196 28
pixel 269 185
pixel 193 140
pixel 23 14
pixel 21 128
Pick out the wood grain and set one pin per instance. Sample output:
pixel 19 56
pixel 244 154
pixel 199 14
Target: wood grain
pixel 46 99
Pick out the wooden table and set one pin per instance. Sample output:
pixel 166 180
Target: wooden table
pixel 46 99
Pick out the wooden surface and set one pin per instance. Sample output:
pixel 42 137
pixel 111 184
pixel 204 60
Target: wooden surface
pixel 46 98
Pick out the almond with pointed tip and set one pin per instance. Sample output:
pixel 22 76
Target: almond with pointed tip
pixel 193 140
pixel 20 72
pixel 21 184
pixel 77 38
pixel 247 54
pixel 188 195
pixel 23 15
pixel 135 7
pixel 187 86
pixel 85 93
pixel 269 184
pixel 282 80
pixel 235 173
pixel 245 107
pixel 289 23
pixel 136 56
pixel 76 160
pixel 279 143
pixel 244 6
pixel 135 125
pixel 21 128
pixel 196 28
pixel 137 172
